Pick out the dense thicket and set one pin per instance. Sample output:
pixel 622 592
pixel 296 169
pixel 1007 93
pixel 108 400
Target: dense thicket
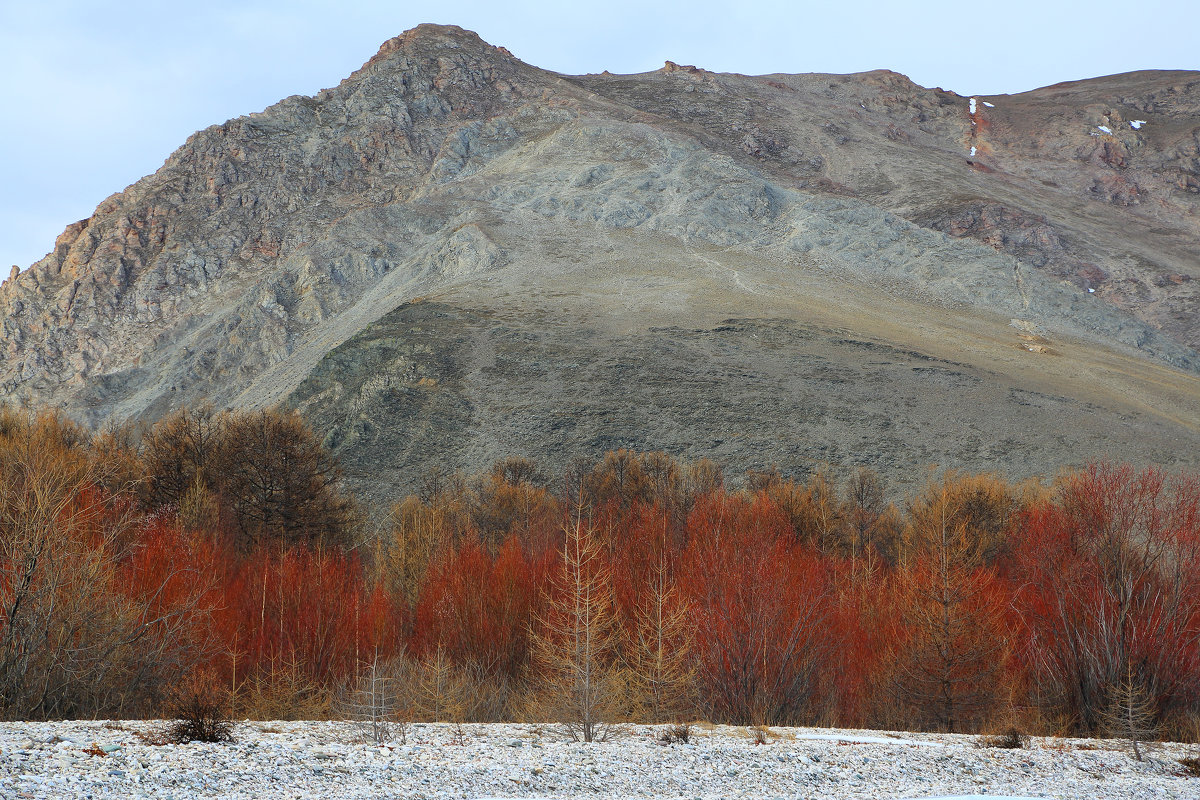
pixel 259 476
pixel 221 551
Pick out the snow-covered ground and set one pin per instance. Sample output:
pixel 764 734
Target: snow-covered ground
pixel 324 759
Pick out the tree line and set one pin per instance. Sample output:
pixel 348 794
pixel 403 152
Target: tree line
pixel 219 549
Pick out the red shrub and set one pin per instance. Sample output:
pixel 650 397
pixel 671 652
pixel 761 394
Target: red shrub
pixel 761 608
pixel 478 607
pixel 309 610
pixel 1108 574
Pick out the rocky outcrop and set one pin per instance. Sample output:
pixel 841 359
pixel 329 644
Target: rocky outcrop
pixel 584 216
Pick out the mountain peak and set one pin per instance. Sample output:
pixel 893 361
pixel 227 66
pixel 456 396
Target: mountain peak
pixel 428 40
pixel 431 34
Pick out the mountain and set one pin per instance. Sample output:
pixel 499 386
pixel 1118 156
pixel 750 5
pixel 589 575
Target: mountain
pixel 454 256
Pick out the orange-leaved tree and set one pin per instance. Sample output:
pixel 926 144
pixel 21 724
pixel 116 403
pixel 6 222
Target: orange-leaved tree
pixel 950 644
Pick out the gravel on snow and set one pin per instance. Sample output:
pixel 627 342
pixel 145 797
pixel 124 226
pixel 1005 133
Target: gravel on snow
pixel 327 759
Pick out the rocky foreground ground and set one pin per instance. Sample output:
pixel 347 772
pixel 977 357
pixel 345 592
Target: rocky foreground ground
pixel 331 759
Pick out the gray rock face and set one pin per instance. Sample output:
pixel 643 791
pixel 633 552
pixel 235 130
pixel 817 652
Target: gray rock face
pixel 454 256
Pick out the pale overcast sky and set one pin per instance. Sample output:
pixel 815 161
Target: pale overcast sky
pixel 98 94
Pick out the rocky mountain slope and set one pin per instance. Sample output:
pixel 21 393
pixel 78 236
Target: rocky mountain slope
pixel 455 256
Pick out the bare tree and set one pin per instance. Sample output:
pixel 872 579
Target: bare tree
pixel 703 477
pixel 181 452
pixel 619 476
pixel 661 660
pixel 438 690
pixel 373 702
pixel 1131 714
pixel 576 640
pixel 864 507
